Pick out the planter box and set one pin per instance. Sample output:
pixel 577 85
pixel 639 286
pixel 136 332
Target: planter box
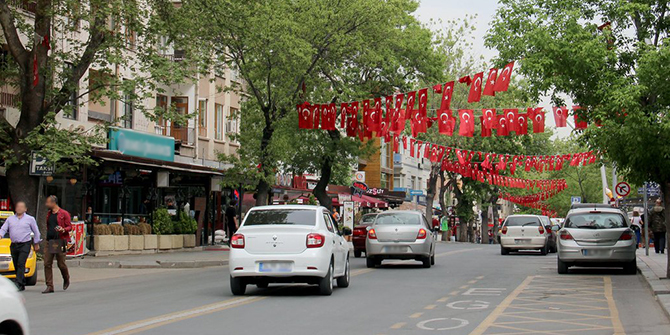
pixel 135 242
pixel 120 242
pixel 103 242
pixel 189 241
pixel 164 242
pixel 150 242
pixel 177 241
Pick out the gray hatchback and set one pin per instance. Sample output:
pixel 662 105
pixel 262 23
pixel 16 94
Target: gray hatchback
pixel 400 235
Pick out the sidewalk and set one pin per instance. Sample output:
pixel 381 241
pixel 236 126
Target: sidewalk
pixel 653 269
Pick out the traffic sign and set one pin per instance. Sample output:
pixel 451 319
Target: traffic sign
pixel 575 200
pixel 622 189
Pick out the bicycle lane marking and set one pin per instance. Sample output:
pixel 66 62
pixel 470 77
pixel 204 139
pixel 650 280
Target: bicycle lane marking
pixel 501 307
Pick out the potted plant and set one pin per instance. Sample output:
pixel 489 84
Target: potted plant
pixel 163 226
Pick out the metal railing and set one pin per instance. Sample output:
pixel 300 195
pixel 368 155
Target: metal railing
pixel 9 100
pixel 185 135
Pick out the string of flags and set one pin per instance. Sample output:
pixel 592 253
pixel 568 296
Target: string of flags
pixel 533 200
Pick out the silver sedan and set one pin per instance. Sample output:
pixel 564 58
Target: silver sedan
pixel 400 235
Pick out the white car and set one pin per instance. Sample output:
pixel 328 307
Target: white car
pixel 13 315
pixel 524 232
pixel 288 244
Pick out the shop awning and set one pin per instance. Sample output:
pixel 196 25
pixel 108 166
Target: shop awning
pixel 115 156
pixel 370 202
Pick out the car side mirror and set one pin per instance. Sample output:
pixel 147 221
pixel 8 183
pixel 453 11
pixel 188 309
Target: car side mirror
pixel 346 231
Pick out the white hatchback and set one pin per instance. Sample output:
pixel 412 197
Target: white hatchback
pixel 288 244
pixel 524 232
pixel 13 315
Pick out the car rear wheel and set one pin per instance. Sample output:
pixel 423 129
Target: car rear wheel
pixel 357 253
pixel 630 267
pixel 504 251
pixel 371 262
pixel 426 262
pixel 432 260
pixel 562 267
pixel 32 281
pixel 237 286
pixel 344 280
pixel 326 283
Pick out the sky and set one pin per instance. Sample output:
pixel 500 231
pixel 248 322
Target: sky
pixel 485 10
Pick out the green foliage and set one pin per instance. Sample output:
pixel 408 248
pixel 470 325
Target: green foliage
pixel 162 222
pixel 618 74
pixel 185 225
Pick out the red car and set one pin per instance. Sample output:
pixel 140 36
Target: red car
pixel 361 233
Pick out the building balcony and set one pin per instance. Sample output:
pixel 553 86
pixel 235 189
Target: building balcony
pixel 183 135
pixel 175 56
pixel 9 100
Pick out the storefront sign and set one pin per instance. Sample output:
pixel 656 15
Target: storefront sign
pixel 359 176
pixel 358 188
pixel 75 245
pixel 348 213
pixel 376 191
pixel 40 165
pixel 134 143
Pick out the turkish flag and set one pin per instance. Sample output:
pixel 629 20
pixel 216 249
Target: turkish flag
pixel 352 120
pixel 502 83
pixel 489 118
pixel 465 80
pixel 404 142
pixel 419 121
pixel 510 115
pixel 579 124
pixel 376 115
pixel 440 153
pixel 521 127
pixel 344 108
pixel 426 150
pixel 305 117
pixel 467 124
pixel 411 99
pixel 486 131
pixel 503 126
pixel 411 147
pixel 433 153
pixel 459 156
pixel 447 92
pixel 491 83
pixel 316 113
pixel 537 115
pixel 561 116
pixel 487 163
pixel 396 143
pixel 329 117
pixel 400 123
pixel 476 88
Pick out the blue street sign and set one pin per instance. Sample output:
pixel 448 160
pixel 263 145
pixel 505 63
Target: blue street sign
pixel 575 200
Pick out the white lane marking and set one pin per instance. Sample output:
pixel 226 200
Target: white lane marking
pixel 470 304
pixel 487 291
pixel 424 324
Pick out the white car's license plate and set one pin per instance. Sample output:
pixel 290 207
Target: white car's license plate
pixel 395 249
pixel 4 265
pixel 593 252
pixel 522 241
pixel 274 267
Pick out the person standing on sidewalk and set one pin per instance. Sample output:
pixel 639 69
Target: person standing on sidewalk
pixel 19 227
pixel 231 220
pixel 636 224
pixel 58 232
pixel 657 226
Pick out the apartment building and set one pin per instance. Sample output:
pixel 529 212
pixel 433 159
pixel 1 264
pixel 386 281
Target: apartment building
pixel 144 163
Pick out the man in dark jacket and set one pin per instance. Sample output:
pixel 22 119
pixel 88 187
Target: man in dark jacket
pixel 58 232
pixel 657 226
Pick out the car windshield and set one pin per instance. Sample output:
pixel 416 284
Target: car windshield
pixel 522 221
pixel 303 217
pixel 398 218
pixel 595 221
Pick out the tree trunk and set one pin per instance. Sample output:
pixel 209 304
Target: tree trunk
pixel 462 230
pixel 494 201
pixel 326 172
pixel 263 187
pixel 666 201
pixel 431 189
pixel 443 190
pixel 484 231
pixel 23 187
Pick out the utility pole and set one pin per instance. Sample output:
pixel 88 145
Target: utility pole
pixel 603 177
pixel 646 219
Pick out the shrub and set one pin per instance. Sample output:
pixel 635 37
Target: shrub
pixel 101 229
pixel 131 229
pixel 186 224
pixel 145 228
pixel 116 229
pixel 162 224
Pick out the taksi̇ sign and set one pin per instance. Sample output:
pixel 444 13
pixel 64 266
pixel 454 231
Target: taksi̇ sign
pixel 40 165
pixel 145 145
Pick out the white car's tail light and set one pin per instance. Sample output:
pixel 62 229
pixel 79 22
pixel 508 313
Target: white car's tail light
pixel 565 235
pixel 540 229
pixel 626 236
pixel 237 241
pixel 421 235
pixel 315 240
pixel 504 230
pixel 372 235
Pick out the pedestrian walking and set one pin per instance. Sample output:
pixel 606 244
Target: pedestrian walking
pixel 231 220
pixel 58 232
pixel 637 223
pixel 657 226
pixel 19 226
pixel 336 216
pixel 490 236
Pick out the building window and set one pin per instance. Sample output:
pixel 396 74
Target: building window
pixel 420 184
pixel 384 154
pixel 127 117
pixel 218 122
pixel 396 182
pixel 231 123
pixel 71 109
pixel 385 180
pixel 131 37
pixel 413 182
pixel 202 118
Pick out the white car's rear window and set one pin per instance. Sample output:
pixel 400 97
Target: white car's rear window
pixel 303 217
pixel 522 221
pixel 595 221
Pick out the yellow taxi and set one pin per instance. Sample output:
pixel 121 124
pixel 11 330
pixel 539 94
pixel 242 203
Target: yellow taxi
pixel 7 266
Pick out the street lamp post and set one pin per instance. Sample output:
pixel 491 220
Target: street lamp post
pixel 646 218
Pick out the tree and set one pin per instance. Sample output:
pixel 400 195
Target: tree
pixel 612 58
pixel 49 53
pixel 288 52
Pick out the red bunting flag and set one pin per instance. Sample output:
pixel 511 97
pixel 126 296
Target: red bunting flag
pixel 447 92
pixel 400 123
pixel 486 130
pixel 411 99
pixel 305 117
pixel 510 115
pixel 489 89
pixel 503 126
pixel 579 124
pixel 433 153
pixel 521 127
pixel 489 120
pixel 561 116
pixel 419 121
pixel 446 122
pixel 502 83
pixel 537 116
pixel 411 147
pixel 476 88
pixel 352 119
pixel 396 143
pixel 344 107
pixel 465 80
pixel 467 124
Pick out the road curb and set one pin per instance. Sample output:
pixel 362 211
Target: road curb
pixel 658 287
pixel 93 264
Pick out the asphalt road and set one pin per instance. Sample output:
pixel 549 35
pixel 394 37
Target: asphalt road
pixel 471 290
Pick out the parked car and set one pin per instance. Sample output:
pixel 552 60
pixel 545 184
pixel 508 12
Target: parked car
pixel 400 235
pixel 523 232
pixel 288 244
pixel 596 235
pixel 7 266
pixel 551 233
pixel 361 233
pixel 13 315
